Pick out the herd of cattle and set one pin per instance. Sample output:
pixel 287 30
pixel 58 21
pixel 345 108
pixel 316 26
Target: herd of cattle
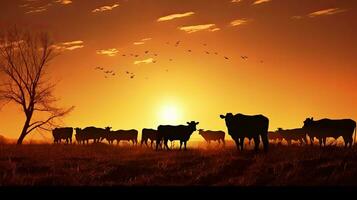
pixel 239 127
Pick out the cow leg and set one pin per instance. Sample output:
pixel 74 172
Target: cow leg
pixel 241 143
pixel 324 141
pixel 312 141
pixel 165 143
pixel 224 143
pixel 256 143
pixel 185 145
pixel 320 141
pixel 265 141
pixel 180 144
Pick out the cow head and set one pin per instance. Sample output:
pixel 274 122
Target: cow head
pixel 192 125
pixel 200 131
pixel 228 118
pixel 308 122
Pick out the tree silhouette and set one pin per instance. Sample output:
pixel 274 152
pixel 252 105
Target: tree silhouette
pixel 24 60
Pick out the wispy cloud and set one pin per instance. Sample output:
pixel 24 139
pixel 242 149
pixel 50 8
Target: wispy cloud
pixel 105 8
pixel 64 2
pixel 196 28
pixel 175 16
pixel 330 11
pixel 38 6
pixel 146 39
pixel 260 2
pixel 72 45
pixel 108 52
pixel 239 22
pixel 142 41
pixel 236 1
pixel 36 9
pixel 146 61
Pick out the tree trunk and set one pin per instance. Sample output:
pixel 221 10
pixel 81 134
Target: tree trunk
pixel 24 130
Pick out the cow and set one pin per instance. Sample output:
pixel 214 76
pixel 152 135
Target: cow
pixel 275 136
pixel 79 136
pixel 148 134
pixel 92 133
pixel 180 132
pixel 60 134
pixel 209 136
pixel 323 128
pixel 241 126
pixel 125 135
pixel 289 135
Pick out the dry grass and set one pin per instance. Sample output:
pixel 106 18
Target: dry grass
pixel 104 165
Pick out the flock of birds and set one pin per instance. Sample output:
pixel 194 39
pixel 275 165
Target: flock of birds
pixel 111 73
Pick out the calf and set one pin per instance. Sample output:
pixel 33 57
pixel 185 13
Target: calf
pixel 212 136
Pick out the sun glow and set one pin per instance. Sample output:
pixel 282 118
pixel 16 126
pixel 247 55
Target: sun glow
pixel 169 114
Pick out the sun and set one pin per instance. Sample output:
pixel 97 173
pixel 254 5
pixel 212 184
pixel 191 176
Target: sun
pixel 169 114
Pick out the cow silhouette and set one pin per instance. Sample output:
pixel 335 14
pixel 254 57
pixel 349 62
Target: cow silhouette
pixel 60 134
pixel 91 133
pixel 241 126
pixel 148 134
pixel 275 136
pixel 289 135
pixel 209 136
pixel 321 129
pixel 180 132
pixel 122 135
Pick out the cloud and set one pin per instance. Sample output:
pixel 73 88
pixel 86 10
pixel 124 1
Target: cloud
pixel 196 28
pixel 214 29
pixel 36 9
pixel 108 52
pixel 146 61
pixel 260 2
pixel 236 1
pixel 239 22
pixel 138 43
pixel 64 2
pixel 325 12
pixel 105 8
pixel 142 41
pixel 146 39
pixel 175 16
pixel 72 45
pixel 38 6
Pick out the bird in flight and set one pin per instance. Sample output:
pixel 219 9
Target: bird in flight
pixel 244 57
pixel 226 58
pixel 146 52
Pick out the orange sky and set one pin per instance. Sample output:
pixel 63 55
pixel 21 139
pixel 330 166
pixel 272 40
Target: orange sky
pixel 308 49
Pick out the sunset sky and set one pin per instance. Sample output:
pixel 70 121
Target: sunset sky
pixel 301 60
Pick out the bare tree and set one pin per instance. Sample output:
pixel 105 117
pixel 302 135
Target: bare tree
pixel 24 60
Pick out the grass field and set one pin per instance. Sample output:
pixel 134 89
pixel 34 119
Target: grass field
pixel 104 165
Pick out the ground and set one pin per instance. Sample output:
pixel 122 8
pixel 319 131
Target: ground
pixel 105 165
